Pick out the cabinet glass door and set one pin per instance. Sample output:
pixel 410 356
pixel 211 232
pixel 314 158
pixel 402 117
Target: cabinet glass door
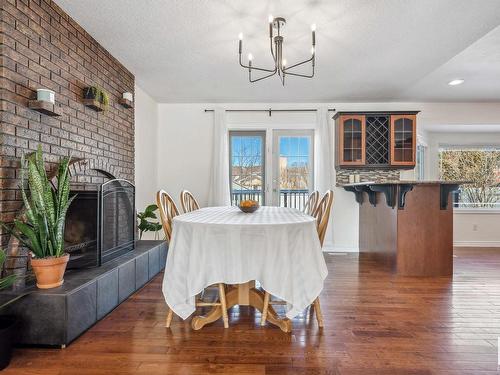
pixel 403 140
pixel 352 137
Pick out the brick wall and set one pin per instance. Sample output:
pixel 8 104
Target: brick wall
pixel 42 47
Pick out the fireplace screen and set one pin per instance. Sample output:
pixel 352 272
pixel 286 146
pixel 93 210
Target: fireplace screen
pixel 80 233
pixel 100 225
pixel 117 219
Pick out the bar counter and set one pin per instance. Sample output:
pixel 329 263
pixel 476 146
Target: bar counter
pixel 407 224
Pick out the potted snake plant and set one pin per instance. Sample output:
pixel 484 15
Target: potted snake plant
pixel 42 230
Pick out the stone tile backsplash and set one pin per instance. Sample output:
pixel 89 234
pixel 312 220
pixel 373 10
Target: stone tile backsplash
pixel 367 175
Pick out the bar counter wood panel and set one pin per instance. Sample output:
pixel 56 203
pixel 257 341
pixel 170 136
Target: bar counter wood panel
pixel 417 239
pixel 378 230
pixel 425 234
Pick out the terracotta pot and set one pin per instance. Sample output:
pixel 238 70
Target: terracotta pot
pixel 49 272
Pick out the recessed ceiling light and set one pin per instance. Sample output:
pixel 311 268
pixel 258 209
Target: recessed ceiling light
pixel 456 82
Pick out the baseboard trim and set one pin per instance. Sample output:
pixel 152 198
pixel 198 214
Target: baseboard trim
pixel 346 249
pixel 476 243
pixel 340 249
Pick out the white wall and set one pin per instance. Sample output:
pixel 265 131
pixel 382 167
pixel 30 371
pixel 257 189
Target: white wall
pixel 471 227
pixel 185 148
pixel 477 228
pixel 146 152
pixel 185 141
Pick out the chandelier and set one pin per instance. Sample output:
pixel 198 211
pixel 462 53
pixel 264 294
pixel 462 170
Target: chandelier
pixel 281 68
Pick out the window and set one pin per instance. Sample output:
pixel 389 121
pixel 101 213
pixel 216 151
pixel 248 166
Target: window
pixel 247 171
pixel 293 167
pixel 481 166
pixel 420 165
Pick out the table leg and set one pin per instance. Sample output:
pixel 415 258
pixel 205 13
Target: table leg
pixel 243 294
pixel 257 301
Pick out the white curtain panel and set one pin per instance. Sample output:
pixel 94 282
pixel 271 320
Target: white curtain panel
pixel 219 193
pixel 324 178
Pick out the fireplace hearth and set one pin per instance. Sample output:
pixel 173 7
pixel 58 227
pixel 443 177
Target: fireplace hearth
pixel 100 225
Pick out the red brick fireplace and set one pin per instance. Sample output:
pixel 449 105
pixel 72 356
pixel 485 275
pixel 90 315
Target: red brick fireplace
pixel 42 47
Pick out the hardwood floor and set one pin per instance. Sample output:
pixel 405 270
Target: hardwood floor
pixel 375 323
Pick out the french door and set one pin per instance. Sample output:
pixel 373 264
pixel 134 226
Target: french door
pixel 292 167
pixel 288 161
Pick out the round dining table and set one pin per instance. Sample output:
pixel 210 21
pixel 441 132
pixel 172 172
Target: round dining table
pixel 276 246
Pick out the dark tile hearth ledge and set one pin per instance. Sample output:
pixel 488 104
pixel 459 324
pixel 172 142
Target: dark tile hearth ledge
pixel 55 317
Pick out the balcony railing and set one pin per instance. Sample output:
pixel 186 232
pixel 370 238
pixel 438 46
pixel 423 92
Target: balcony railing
pixel 242 195
pixel 288 198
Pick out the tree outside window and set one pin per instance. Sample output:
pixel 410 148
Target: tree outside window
pixel 479 166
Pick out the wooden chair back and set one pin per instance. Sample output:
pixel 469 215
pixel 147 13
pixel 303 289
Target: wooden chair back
pixel 188 202
pixel 322 214
pixel 168 210
pixel 312 203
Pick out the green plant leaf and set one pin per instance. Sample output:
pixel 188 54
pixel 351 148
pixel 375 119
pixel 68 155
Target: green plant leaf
pixel 36 186
pixel 43 231
pixel 29 211
pixel 59 230
pixel 34 243
pixel 151 208
pixel 49 204
pixel 7 281
pixel 62 184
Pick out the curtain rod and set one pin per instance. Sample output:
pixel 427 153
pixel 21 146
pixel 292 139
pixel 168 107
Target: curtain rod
pixel 270 110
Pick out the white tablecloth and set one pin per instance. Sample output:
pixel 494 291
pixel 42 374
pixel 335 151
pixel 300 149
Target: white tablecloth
pixel 277 246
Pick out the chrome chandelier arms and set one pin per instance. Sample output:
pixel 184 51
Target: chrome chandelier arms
pixel 276 46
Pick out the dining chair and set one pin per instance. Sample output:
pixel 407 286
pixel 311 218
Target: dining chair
pixel 322 215
pixel 168 210
pixel 188 202
pixel 312 203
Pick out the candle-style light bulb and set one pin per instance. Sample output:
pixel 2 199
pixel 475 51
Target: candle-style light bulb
pixel 271 18
pixel 240 36
pixel 283 63
pixel 250 57
pixel 313 27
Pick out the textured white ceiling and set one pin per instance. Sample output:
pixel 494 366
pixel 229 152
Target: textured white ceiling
pixel 367 50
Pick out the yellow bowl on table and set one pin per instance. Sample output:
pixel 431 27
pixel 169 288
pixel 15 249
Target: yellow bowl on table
pixel 248 206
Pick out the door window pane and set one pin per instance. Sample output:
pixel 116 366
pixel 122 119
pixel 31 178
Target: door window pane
pixel 295 170
pixel 247 166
